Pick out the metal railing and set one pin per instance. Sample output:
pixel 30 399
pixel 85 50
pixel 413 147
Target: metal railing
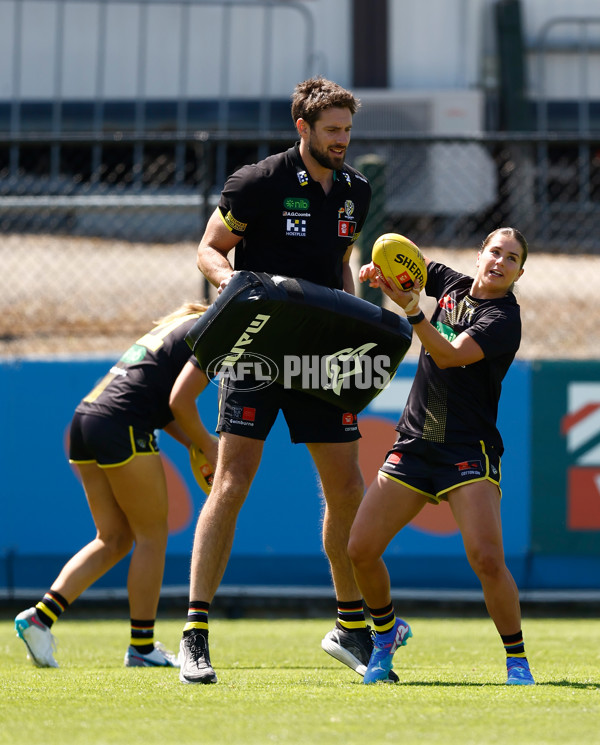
pixel 97 100
pixel 583 41
pixel 448 180
pixel 89 262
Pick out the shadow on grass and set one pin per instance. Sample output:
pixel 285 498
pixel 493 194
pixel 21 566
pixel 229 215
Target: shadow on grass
pixel 570 684
pixel 488 684
pixel 591 685
pixel 473 684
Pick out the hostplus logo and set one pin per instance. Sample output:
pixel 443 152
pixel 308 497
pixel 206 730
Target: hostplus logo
pixel 295 227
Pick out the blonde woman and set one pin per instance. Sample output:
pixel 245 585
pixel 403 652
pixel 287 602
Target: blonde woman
pixel 113 445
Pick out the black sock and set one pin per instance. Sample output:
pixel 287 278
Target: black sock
pixel 514 645
pixel 51 607
pixel 142 635
pixel 197 618
pixel 351 616
pixel 383 618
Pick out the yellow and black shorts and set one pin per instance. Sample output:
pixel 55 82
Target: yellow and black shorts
pixel 434 469
pixel 106 441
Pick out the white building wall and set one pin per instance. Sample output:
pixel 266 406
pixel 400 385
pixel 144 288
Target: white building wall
pixel 167 49
pixel 563 74
pixel 433 44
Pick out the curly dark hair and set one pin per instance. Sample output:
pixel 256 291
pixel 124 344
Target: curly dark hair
pixel 314 95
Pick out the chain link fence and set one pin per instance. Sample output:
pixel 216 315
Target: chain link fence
pixel 99 235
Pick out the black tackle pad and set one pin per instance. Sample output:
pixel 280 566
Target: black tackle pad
pixel 266 328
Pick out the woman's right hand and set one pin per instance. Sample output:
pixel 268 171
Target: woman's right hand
pixel 368 273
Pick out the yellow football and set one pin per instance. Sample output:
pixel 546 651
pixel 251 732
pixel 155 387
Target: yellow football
pixel 399 258
pixel 201 468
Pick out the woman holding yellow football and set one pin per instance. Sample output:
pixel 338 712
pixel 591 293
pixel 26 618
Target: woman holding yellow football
pixel 448 445
pixel 113 446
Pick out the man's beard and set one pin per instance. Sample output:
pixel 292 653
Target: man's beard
pixel 323 158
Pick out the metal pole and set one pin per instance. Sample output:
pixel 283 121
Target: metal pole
pixel 373 167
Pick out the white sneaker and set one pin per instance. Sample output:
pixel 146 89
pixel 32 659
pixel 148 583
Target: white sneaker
pixel 38 638
pixel 195 661
pixel 159 657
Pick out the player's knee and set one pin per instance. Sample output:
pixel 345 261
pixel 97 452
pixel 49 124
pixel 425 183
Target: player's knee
pixel 356 488
pixel 229 491
pixel 360 549
pixel 354 482
pixel 117 542
pixel 487 564
pixel 348 490
pixel 154 533
pixel 354 551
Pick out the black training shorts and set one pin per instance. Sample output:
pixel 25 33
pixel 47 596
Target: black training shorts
pixel 252 413
pixel 107 442
pixel 434 469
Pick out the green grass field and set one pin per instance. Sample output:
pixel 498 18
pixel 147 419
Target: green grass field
pixel 276 685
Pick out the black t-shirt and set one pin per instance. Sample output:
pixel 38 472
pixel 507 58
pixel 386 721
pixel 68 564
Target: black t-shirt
pixel 460 404
pixel 137 389
pixel 289 226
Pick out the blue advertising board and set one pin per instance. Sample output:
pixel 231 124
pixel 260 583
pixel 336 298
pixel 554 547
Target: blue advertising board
pixel 45 519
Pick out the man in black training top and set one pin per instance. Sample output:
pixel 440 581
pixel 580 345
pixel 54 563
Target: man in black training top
pixel 296 214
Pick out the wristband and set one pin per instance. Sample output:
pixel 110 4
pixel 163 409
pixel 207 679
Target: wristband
pixel 413 320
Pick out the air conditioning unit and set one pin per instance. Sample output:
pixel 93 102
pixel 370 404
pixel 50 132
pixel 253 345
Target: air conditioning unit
pixel 427 178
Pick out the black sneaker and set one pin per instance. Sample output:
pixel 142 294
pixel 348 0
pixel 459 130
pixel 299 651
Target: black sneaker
pixel 195 659
pixel 353 648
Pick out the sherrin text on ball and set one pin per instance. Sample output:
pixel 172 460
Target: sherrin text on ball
pixel 397 257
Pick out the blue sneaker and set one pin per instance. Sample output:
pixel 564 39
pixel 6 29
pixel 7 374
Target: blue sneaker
pixel 519 673
pixel 384 647
pixel 353 648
